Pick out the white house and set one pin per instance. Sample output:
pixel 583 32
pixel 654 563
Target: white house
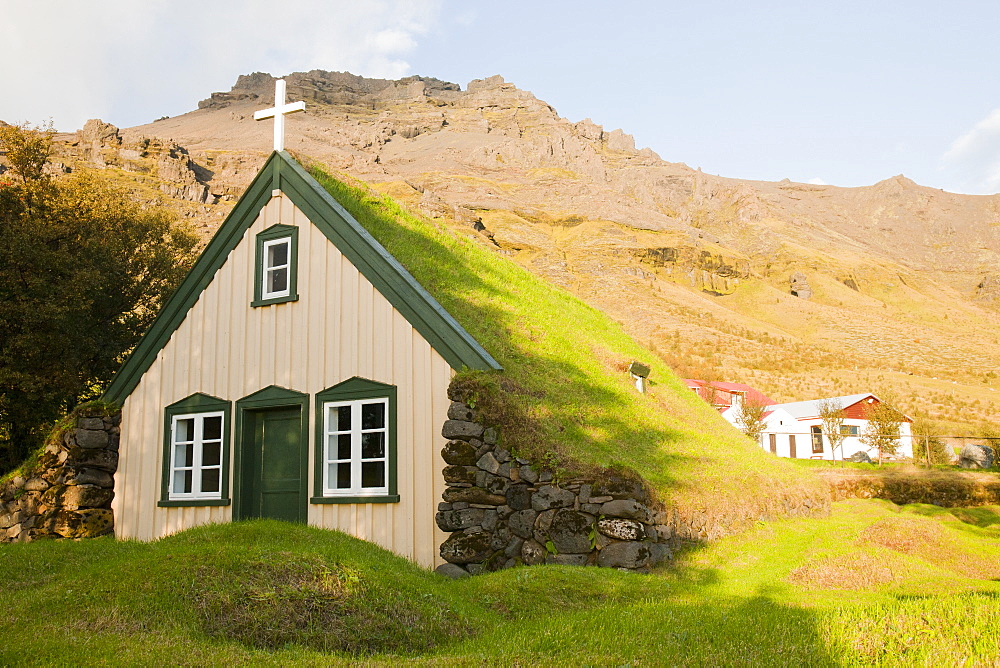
pixel 796 429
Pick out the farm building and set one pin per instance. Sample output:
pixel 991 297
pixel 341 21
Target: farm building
pixel 725 396
pixel 795 429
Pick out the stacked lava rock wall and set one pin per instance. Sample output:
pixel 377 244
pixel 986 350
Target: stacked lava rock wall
pixel 68 493
pixel 503 512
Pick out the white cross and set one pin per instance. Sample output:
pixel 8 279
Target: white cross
pixel 278 112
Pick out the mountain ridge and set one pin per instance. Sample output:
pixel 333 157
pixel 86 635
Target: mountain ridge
pixel 901 277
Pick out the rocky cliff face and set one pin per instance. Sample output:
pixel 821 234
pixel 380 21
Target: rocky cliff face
pixel 900 277
pixel 332 88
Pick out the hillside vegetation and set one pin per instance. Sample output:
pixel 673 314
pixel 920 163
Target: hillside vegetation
pixel 565 370
pixel 872 585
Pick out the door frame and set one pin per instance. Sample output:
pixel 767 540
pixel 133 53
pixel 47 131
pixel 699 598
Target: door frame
pixel 270 397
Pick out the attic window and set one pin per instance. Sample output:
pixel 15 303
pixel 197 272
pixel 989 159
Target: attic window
pixel 276 266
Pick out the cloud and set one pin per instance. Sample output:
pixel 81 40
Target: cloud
pixel 129 62
pixel 817 181
pixel 975 156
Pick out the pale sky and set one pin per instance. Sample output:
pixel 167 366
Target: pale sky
pixel 846 93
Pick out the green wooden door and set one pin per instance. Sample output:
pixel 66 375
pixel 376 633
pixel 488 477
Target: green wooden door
pixel 273 479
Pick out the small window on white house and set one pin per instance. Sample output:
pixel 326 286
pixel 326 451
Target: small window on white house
pixel 196 454
pixel 276 269
pixel 356 448
pixel 849 430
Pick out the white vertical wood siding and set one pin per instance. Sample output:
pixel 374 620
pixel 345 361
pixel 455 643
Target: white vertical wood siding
pixel 339 328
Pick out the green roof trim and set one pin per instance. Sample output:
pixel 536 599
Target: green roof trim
pixel 390 278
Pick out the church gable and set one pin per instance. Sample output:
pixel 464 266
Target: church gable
pixel 299 373
pixel 281 175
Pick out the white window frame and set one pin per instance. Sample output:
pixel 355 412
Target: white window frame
pixel 329 455
pixel 266 269
pixel 197 463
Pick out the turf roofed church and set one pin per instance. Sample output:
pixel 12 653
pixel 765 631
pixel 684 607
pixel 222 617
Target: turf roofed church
pixel 300 373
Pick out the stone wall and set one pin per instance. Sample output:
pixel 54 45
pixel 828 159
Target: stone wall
pixel 947 489
pixel 502 511
pixel 68 493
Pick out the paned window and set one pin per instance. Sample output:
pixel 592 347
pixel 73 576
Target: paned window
pixel 196 456
pixel 817 439
pixel 356 443
pixel 276 268
pixel 357 439
pixel 277 262
pixel 196 448
pixel 849 430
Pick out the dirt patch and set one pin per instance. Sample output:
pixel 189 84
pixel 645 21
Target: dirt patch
pixel 932 542
pixel 906 535
pixel 853 571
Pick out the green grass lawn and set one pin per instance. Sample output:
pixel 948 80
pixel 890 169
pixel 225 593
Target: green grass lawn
pixel 874 584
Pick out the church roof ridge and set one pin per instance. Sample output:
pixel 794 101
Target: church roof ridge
pixel 445 334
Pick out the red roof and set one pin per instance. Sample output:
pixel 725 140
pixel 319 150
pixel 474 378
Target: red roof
pixel 719 393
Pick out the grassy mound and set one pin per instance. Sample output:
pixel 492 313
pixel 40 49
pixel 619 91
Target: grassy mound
pixel 237 589
pixel 270 593
pixel 564 374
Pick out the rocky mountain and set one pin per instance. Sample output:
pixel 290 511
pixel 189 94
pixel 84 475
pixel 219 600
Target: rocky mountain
pixel 803 290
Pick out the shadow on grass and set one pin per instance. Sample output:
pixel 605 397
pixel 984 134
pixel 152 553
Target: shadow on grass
pixel 658 621
pixel 983 517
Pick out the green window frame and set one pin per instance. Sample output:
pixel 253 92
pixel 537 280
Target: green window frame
pixel 354 394
pixel 196 409
pixel 266 265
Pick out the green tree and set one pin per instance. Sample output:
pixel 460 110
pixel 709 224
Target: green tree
pixel 831 412
pixel 882 428
pixel 927 443
pixel 83 271
pixel 750 418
